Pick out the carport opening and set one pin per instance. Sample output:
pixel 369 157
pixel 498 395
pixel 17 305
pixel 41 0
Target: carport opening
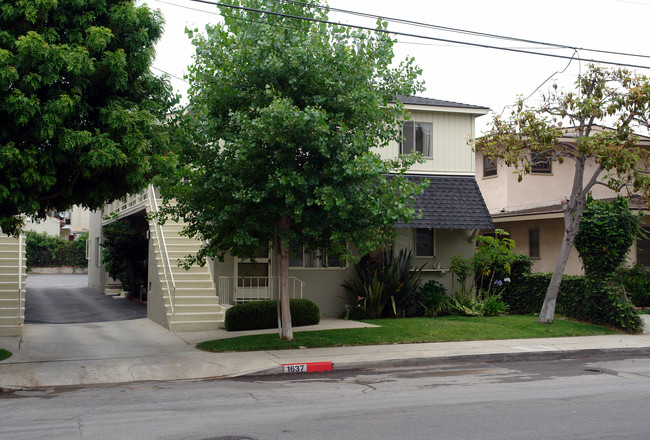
pixel 125 253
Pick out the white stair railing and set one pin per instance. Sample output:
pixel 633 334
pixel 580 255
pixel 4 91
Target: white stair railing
pixel 234 290
pixel 164 255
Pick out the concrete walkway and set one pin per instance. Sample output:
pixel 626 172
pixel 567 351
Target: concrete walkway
pixel 139 350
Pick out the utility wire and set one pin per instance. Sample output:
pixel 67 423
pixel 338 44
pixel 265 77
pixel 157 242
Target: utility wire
pixel 406 34
pixel 462 31
pixel 170 74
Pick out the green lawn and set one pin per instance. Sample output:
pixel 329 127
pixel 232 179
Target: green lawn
pixel 411 330
pixel 4 354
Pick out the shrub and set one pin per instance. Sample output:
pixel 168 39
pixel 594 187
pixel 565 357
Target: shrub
pixel 607 230
pixel 493 305
pixel 43 250
pixel 465 306
pixel 636 280
pixel 597 301
pixel 433 299
pixel 125 251
pixel 263 314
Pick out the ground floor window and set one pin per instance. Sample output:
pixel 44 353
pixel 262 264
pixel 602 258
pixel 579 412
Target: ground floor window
pixel 533 243
pixel 299 256
pixel 424 242
pixel 643 248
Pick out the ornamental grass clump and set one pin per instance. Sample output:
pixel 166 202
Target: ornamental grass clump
pixel 383 285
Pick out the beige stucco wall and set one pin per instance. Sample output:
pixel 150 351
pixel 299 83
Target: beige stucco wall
pixel 96 273
pixel 551 232
pixel 505 193
pixel 323 286
pixel 447 244
pixel 49 225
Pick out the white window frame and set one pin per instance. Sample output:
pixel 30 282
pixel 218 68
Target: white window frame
pixel 425 148
pixel 306 255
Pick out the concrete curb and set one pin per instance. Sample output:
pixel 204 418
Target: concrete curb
pixel 549 355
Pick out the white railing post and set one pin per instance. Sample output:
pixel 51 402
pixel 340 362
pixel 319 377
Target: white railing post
pixel 163 249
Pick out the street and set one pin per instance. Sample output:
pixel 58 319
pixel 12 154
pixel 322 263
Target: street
pixel 589 398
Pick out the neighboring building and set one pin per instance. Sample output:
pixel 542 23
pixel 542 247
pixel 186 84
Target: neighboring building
pixel 452 206
pixel 64 224
pixel 531 210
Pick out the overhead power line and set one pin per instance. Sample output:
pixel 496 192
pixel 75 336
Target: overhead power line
pixel 426 37
pixel 463 31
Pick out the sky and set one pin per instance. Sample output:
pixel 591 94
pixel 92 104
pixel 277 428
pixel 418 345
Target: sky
pixel 461 73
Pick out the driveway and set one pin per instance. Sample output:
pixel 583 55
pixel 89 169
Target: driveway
pixel 67 299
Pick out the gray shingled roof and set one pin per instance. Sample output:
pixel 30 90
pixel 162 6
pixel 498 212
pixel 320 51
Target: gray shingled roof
pixel 417 100
pixel 450 202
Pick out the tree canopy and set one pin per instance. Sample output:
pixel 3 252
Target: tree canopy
pixel 594 125
pixel 79 106
pixel 284 113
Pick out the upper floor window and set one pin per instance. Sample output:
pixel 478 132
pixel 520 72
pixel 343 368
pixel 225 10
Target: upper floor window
pixel 489 166
pixel 416 138
pixel 540 162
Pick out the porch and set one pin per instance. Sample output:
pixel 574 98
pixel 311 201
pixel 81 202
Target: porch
pixel 233 290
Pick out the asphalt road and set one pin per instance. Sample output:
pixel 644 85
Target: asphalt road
pixel 67 299
pixel 599 398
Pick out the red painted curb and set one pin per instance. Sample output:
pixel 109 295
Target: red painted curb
pixel 309 367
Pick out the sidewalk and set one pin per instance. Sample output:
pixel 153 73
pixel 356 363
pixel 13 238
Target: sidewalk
pixel 139 350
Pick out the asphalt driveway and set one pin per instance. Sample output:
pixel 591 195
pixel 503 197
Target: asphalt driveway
pixel 67 299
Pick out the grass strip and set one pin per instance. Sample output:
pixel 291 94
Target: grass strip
pixel 415 330
pixel 4 354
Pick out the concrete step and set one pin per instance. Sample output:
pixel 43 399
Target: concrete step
pixel 193 283
pixel 183 275
pixel 189 299
pixel 11 285
pixel 197 291
pixel 11 330
pixel 7 303
pixel 7 320
pixel 195 326
pixel 198 308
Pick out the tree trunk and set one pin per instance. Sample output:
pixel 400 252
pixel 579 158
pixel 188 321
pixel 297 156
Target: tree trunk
pixel 548 308
pixel 285 312
pixel 573 209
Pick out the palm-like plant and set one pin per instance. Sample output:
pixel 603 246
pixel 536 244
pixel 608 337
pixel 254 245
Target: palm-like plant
pixel 384 279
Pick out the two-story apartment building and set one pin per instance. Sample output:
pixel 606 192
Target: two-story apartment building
pixel 531 210
pixel 452 207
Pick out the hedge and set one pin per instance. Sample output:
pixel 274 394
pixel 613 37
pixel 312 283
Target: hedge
pixel 43 250
pixel 599 302
pixel 263 314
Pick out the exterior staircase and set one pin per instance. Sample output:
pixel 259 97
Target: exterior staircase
pixel 190 296
pixel 13 275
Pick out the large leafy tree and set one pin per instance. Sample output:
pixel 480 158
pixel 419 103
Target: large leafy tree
pixel 284 113
pixel 614 98
pixel 79 106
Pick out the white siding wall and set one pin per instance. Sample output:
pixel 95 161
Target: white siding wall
pixel 451 154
